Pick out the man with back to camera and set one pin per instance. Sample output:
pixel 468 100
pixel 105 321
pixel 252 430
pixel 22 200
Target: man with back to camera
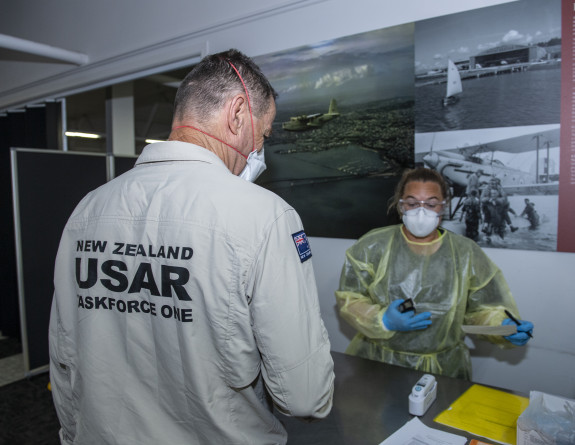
pixel 185 303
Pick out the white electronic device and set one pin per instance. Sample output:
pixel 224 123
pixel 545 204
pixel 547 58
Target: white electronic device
pixel 423 394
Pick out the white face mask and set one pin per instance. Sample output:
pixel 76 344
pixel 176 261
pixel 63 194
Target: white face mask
pixel 255 166
pixel 421 221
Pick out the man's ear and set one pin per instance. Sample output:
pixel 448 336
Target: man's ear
pixel 236 113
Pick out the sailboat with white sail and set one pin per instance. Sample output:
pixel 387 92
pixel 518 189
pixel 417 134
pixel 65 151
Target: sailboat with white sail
pixel 454 88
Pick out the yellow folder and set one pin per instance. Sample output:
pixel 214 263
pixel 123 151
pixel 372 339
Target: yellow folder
pixel 486 412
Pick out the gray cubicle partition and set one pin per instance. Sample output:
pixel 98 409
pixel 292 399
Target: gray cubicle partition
pixel 46 186
pixel 123 163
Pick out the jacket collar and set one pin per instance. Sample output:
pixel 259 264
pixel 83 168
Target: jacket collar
pixel 177 151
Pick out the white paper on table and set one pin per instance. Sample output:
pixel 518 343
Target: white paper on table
pixel 415 432
pixel 503 330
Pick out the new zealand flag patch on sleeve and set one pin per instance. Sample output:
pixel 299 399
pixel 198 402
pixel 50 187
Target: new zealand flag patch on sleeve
pixel 302 246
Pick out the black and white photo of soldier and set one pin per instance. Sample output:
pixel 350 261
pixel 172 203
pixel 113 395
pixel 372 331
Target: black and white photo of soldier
pixel 504 169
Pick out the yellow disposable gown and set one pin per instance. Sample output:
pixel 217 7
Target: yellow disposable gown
pixel 450 277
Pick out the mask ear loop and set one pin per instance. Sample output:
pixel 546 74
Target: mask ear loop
pixel 249 105
pixel 212 136
pixel 251 118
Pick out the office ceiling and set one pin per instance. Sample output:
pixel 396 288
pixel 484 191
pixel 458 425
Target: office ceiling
pixel 85 112
pixel 153 106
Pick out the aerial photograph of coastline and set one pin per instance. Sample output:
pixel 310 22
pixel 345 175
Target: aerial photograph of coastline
pixel 344 128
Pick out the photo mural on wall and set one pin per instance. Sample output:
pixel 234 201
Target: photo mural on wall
pixel 344 129
pixel 475 95
pixel 498 133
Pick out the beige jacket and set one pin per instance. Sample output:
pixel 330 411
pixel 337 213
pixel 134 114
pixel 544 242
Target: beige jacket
pixel 185 302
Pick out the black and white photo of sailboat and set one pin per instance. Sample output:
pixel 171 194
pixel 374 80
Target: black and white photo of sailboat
pixel 508 58
pixel 454 88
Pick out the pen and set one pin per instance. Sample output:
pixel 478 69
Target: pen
pixel 514 320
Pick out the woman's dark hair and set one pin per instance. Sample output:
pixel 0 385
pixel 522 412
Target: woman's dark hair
pixel 420 174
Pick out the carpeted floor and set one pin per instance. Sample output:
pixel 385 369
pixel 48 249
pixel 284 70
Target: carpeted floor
pixel 9 347
pixel 27 414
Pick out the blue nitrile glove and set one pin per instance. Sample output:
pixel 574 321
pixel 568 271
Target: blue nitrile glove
pixel 407 321
pixel 524 332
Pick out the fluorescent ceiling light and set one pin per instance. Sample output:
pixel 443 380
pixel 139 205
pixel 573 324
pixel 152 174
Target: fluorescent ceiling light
pixel 29 47
pixel 151 141
pixel 82 135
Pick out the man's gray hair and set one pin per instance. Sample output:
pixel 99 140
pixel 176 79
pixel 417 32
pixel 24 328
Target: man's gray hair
pixel 214 80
